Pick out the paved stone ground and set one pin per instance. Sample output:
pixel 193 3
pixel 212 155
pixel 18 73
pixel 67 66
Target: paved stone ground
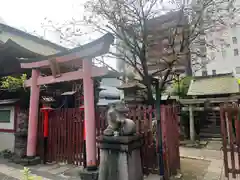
pixel 5 177
pixel 191 169
pixel 214 155
pixel 14 171
pixel 196 164
pixel 215 168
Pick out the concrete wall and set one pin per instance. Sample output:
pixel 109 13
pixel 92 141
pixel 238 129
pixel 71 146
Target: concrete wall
pixel 7 141
pixel 222 58
pixel 7 138
pixel 220 52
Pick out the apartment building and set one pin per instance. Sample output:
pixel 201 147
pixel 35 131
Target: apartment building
pixel 158 34
pixel 223 45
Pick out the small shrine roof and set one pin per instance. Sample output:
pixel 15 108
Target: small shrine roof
pixel 131 85
pixel 9 52
pixel 109 92
pixel 16 50
pixel 106 102
pixel 8 101
pixel 213 85
pixel 90 50
pixel 7 28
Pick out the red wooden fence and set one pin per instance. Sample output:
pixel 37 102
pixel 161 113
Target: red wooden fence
pixel 65 140
pixel 230 128
pixel 66 136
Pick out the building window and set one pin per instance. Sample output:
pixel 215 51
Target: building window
pixel 223 53
pixel 5 116
pixel 204 73
pixel 234 40
pixel 237 69
pixel 214 72
pixel 236 53
pixel 212 55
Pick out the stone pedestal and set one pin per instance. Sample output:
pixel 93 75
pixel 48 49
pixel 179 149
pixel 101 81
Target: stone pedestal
pixel 120 158
pixel 20 146
pixel 88 175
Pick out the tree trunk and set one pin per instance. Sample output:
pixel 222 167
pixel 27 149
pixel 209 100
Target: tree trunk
pixel 148 84
pixel 150 100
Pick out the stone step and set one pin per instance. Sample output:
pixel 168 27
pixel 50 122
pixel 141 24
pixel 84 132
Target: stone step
pixel 210 132
pixel 210 135
pixel 211 128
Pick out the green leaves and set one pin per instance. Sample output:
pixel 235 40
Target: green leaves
pixel 12 83
pixel 182 86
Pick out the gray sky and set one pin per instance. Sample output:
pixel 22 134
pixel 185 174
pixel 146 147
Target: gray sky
pixel 29 14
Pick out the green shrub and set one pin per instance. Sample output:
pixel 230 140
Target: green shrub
pixel 12 83
pixel 27 175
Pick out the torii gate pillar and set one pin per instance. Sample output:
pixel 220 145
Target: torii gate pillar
pixel 33 115
pixel 89 114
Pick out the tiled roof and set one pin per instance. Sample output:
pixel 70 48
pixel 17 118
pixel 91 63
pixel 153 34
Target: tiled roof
pixel 129 85
pixel 109 91
pixel 106 102
pixel 5 27
pixel 213 85
pixel 8 101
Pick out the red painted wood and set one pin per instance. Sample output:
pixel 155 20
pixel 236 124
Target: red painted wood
pixel 7 130
pixel 58 136
pixel 237 125
pixel 224 139
pixel 73 137
pixel 164 114
pixel 64 136
pixel 50 131
pixel 45 123
pixel 78 144
pixel 55 132
pixel 68 76
pixel 69 159
pixel 230 117
pixel 230 145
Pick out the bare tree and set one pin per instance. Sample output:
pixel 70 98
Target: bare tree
pixel 155 38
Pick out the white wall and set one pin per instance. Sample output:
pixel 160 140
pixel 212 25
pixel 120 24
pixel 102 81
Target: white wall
pixel 7 139
pixel 8 126
pixel 222 59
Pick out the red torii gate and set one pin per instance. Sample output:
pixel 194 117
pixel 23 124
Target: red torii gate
pixel 78 56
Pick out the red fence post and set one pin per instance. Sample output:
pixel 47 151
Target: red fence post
pixel 84 139
pixel 45 110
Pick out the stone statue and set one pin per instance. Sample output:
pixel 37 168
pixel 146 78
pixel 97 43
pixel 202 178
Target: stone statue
pixel 118 124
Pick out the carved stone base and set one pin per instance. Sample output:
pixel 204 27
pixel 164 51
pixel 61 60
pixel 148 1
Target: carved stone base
pixel 120 158
pixel 26 161
pixel 20 146
pixel 88 175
